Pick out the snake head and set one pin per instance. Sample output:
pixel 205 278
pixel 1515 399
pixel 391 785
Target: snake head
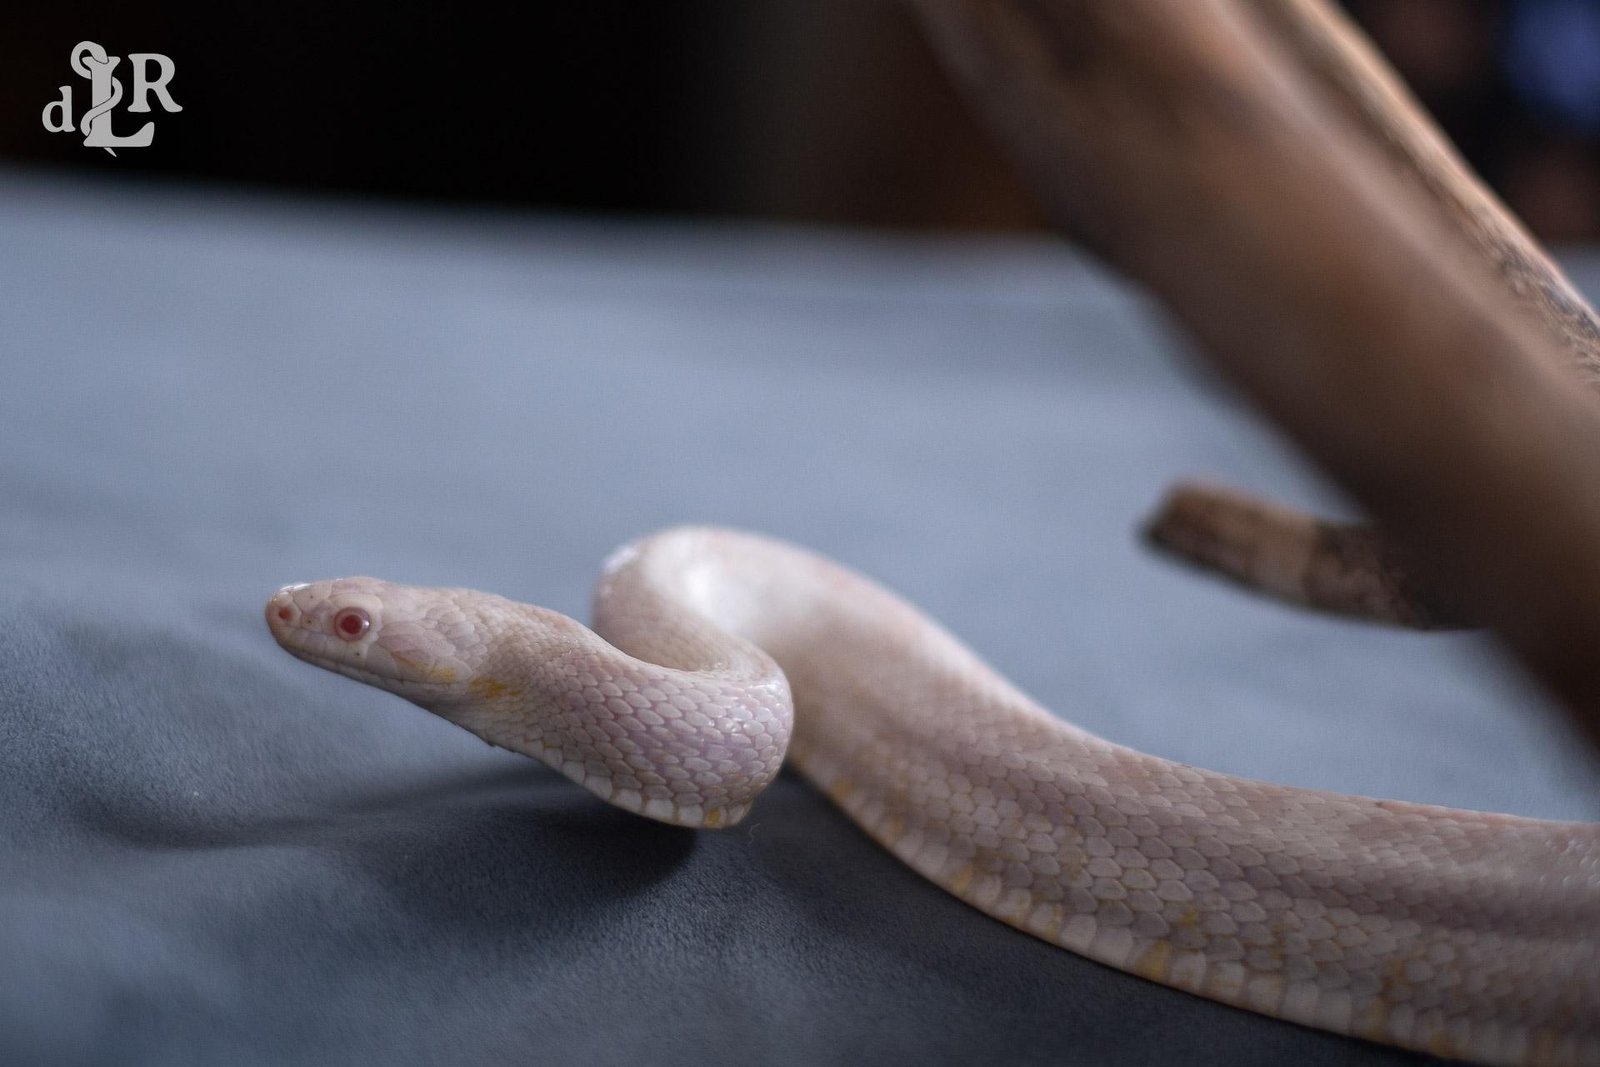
pixel 424 644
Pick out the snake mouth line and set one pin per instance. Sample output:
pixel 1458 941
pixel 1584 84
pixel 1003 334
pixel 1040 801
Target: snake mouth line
pixel 357 673
pixel 404 687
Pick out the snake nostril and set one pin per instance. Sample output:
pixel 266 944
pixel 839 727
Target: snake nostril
pixel 285 613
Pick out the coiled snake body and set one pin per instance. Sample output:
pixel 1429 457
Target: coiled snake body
pixel 1460 933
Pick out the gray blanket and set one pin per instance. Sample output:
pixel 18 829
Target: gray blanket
pixel 211 853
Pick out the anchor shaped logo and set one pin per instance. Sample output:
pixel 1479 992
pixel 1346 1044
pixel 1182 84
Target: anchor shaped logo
pixel 89 60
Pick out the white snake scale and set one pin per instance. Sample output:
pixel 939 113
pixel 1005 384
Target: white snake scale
pixel 1460 933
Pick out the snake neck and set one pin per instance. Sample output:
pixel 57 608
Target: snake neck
pixel 669 725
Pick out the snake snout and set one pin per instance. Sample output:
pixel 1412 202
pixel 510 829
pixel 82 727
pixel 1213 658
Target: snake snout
pixel 282 611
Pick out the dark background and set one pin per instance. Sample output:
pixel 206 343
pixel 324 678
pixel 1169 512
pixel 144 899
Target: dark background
pixel 818 110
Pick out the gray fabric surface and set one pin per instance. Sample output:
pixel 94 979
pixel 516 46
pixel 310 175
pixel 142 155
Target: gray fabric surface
pixel 212 853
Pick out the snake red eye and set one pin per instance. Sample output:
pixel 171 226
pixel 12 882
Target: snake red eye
pixel 351 623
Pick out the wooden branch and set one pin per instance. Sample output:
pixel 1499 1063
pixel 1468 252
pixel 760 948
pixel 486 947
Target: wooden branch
pixel 1330 48
pixel 1338 568
pixel 1267 548
pixel 1356 78
pixel 1194 152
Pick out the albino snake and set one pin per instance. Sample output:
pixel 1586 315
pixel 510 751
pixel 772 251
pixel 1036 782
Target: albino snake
pixel 1454 932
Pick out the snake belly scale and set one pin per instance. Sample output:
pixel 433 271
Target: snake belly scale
pixel 715 654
